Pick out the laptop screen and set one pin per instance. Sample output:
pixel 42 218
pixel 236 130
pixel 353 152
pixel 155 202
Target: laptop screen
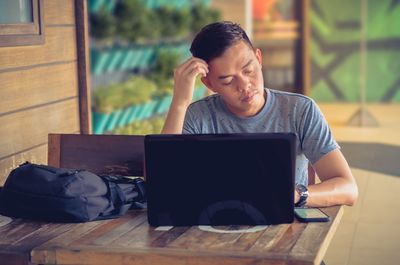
pixel 220 179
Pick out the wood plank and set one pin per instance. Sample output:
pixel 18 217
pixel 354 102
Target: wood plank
pixel 54 152
pixel 82 32
pixel 195 238
pixel 17 229
pixel 103 154
pixel 60 45
pixel 77 231
pixel 20 236
pixel 141 237
pixel 46 231
pixel 276 245
pixel 39 85
pixel 314 241
pixel 222 241
pixel 133 220
pixel 30 127
pixel 306 44
pixel 231 10
pixel 245 241
pixel 289 238
pixel 59 12
pixel 64 240
pixel 271 236
pixel 35 155
pixel 99 231
pixel 169 236
pixel 128 256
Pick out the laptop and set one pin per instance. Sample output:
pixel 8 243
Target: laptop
pixel 220 179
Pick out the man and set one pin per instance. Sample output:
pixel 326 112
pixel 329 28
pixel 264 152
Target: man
pixel 228 65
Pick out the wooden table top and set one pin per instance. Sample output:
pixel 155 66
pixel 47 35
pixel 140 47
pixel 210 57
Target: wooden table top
pixel 130 240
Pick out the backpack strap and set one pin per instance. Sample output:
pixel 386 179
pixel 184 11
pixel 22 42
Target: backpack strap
pixel 117 197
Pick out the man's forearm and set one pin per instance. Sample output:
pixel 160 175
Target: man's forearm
pixel 175 118
pixel 334 191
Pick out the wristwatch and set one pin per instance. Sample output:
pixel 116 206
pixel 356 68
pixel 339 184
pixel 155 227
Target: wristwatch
pixel 303 193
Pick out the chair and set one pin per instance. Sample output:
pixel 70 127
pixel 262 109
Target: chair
pixel 100 154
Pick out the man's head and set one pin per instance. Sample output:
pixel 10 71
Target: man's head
pixel 234 67
pixel 214 39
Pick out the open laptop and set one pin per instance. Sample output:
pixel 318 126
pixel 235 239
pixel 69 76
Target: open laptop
pixel 220 179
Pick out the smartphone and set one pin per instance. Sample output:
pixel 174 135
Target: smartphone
pixel 311 215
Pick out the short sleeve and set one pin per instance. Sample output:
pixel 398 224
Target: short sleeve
pixel 189 126
pixel 315 135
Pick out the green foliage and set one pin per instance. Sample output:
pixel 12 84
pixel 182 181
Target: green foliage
pixel 163 70
pixel 151 126
pixel 134 21
pixel 105 99
pixel 202 15
pixel 102 24
pixel 136 90
pixel 173 22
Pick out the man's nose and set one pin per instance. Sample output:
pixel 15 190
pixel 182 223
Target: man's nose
pixel 243 84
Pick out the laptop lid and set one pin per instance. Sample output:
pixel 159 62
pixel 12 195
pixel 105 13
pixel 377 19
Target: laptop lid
pixel 220 179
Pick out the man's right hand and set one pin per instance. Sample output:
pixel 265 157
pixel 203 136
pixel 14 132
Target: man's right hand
pixel 185 78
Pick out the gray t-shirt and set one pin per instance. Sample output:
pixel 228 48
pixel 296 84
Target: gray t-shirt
pixel 282 112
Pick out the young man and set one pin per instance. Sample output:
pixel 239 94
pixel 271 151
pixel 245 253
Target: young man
pixel 229 66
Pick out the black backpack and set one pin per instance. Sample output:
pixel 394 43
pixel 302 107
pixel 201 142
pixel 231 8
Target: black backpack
pixel 68 195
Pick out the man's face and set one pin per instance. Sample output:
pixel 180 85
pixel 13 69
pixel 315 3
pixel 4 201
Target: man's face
pixel 236 76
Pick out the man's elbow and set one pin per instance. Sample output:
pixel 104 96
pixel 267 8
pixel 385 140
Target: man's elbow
pixel 351 194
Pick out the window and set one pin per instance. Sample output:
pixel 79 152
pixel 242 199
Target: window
pixel 21 22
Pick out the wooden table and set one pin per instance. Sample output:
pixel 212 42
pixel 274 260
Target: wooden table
pixel 130 240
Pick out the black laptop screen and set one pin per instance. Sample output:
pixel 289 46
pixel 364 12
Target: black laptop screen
pixel 220 179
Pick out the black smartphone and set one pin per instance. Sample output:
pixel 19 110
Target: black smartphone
pixel 311 215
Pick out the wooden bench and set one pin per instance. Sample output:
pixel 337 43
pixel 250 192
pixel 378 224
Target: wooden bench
pixel 101 154
pixel 130 240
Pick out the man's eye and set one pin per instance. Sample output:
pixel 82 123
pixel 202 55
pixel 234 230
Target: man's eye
pixel 248 71
pixel 227 83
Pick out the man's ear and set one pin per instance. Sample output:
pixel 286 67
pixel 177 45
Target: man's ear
pixel 207 83
pixel 258 56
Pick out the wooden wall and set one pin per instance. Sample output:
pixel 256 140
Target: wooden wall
pixel 39 88
pixel 232 10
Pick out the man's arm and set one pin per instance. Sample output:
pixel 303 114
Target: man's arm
pixel 184 79
pixel 337 186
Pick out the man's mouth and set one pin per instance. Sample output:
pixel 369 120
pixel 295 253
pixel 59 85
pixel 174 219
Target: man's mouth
pixel 249 97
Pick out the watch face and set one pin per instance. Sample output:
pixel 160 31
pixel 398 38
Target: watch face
pixel 301 188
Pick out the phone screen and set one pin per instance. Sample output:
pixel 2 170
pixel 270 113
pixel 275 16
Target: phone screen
pixel 311 214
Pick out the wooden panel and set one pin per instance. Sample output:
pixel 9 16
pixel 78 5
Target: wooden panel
pixel 82 33
pixel 29 128
pixel 305 45
pixel 53 152
pixel 59 12
pixel 39 85
pixel 101 154
pixel 35 155
pixel 60 45
pixel 86 243
pixel 18 238
pixel 130 239
pixel 231 10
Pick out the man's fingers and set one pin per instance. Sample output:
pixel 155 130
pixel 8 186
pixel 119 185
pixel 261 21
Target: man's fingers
pixel 198 70
pixel 187 66
pixel 195 65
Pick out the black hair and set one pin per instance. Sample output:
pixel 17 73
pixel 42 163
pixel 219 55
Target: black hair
pixel 214 39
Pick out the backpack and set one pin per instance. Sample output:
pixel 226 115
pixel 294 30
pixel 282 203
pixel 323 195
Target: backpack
pixel 68 195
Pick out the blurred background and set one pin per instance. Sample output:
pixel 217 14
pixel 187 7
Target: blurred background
pixel 343 54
